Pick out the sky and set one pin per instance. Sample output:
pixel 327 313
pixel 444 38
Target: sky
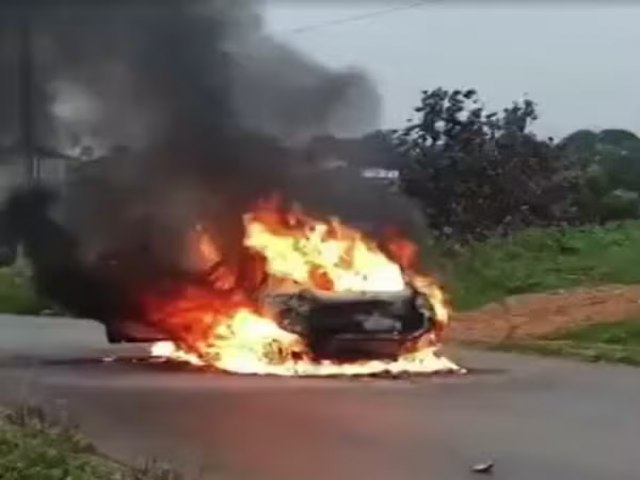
pixel 578 61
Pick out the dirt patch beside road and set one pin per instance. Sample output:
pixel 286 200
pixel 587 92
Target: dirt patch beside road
pixel 535 315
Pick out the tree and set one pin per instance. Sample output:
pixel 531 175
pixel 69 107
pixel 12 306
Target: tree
pixel 477 173
pixel 610 173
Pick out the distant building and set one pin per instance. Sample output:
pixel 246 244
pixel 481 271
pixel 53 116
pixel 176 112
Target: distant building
pixel 360 182
pixel 381 173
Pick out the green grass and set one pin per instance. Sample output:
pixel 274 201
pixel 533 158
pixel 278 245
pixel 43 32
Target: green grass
pixel 625 334
pixel 34 448
pixel 617 342
pixel 17 294
pixel 539 260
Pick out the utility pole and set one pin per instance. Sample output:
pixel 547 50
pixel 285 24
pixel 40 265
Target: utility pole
pixel 26 87
pixel 31 153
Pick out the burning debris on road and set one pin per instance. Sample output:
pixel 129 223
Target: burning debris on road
pixel 180 233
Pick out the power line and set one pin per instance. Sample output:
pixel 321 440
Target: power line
pixel 358 18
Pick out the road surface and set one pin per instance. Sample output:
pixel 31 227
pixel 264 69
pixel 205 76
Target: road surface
pixel 536 418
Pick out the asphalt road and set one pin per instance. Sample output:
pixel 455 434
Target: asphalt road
pixel 537 418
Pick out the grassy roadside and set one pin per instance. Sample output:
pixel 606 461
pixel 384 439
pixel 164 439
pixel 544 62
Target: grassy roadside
pixel 33 448
pixel 607 342
pixel 539 260
pixel 17 294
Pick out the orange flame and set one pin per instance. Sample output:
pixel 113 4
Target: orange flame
pixel 224 326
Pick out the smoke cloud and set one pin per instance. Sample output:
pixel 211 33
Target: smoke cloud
pixel 195 111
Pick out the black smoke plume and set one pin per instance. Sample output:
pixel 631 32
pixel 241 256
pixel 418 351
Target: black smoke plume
pixel 194 113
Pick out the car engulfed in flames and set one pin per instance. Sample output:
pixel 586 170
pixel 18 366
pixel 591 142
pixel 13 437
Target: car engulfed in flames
pixel 309 297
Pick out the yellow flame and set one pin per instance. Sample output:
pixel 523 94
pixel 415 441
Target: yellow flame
pixel 350 263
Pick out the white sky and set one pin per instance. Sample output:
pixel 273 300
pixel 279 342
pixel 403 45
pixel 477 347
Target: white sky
pixel 578 61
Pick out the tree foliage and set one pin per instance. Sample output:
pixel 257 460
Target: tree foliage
pixel 476 173
pixel 609 163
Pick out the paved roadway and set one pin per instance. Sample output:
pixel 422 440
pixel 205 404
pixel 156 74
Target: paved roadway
pixel 537 418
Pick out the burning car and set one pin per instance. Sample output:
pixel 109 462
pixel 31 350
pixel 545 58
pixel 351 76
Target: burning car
pixel 337 326
pixel 311 297
pixel 302 296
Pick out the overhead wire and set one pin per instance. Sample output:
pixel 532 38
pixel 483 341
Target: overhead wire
pixel 358 18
